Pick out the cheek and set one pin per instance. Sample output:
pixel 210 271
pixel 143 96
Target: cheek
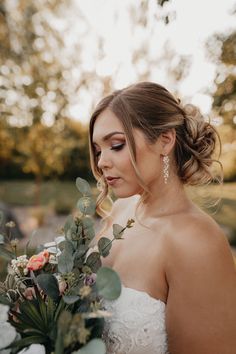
pixel 149 165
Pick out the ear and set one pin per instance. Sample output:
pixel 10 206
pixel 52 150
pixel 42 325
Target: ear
pixel 167 141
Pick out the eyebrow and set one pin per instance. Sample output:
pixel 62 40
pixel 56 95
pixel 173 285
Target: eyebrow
pixel 108 136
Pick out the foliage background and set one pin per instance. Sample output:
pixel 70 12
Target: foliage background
pixel 46 72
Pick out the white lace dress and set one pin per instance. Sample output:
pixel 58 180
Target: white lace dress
pixel 137 325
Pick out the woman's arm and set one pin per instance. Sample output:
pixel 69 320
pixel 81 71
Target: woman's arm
pixel 201 304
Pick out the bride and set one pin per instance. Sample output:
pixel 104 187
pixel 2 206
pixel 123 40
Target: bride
pixel 175 264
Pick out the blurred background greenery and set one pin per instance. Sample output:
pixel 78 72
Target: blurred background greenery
pixel 47 79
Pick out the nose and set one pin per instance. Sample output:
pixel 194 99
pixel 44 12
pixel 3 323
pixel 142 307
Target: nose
pixel 104 161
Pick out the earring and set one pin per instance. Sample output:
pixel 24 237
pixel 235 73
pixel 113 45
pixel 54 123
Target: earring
pixel 166 166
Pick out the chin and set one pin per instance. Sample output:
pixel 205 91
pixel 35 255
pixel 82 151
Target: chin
pixel 125 193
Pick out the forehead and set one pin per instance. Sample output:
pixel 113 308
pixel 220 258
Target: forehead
pixel 107 122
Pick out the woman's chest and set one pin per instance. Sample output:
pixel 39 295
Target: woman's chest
pixel 139 258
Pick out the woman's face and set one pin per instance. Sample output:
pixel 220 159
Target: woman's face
pixel 114 157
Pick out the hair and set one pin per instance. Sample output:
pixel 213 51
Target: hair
pixel 154 110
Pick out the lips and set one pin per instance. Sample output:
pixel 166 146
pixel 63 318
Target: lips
pixel 112 180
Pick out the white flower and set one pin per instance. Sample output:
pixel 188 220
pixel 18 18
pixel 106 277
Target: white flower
pixel 55 243
pixel 19 264
pixel 3 313
pixel 52 247
pixel 7 332
pixel 52 259
pixel 33 349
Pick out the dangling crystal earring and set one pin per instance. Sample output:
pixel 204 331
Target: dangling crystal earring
pixel 166 166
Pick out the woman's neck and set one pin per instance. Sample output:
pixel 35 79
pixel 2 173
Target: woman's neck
pixel 165 199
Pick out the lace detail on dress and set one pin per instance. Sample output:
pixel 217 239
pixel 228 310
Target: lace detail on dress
pixel 137 325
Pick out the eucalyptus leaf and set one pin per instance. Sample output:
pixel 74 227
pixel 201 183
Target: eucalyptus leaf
pixel 95 346
pixel 65 262
pixel 87 222
pixel 86 205
pixel 49 284
pixel 88 227
pixel 69 248
pixel 94 261
pixel 104 246
pixel 79 255
pixel 118 231
pixel 28 243
pixel 69 222
pixel 75 232
pixel 108 283
pixel 83 186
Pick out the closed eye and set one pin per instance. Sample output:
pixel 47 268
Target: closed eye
pixel 116 147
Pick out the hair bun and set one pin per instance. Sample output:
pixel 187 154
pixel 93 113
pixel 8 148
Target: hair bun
pixel 200 140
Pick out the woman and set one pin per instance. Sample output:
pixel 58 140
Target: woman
pixel 175 264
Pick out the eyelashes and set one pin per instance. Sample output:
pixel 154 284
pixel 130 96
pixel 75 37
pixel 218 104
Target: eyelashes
pixel 116 147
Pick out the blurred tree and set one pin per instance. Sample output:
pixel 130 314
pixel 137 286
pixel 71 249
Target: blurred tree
pixel 33 64
pixel 49 151
pixel 221 50
pixel 7 143
pixel 49 61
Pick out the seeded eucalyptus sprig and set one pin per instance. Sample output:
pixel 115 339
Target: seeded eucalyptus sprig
pixel 104 243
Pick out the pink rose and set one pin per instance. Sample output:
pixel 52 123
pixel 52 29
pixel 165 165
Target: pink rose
pixel 37 261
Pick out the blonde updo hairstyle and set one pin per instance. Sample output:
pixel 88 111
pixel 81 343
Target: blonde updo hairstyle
pixel 154 110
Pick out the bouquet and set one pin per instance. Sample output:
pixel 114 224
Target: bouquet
pixel 52 302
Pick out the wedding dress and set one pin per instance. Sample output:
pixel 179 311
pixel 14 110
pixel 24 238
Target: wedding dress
pixel 137 324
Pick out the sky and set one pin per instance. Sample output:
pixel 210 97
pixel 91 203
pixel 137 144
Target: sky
pixel 195 21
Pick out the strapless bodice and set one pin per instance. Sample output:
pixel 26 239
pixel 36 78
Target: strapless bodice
pixel 137 324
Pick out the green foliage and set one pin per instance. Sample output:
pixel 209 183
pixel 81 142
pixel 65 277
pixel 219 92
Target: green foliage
pixel 94 261
pixel 118 231
pixel 104 246
pixel 49 284
pixel 65 262
pixel 35 321
pixel 83 187
pixel 59 294
pixel 221 49
pixel 86 205
pixel 108 283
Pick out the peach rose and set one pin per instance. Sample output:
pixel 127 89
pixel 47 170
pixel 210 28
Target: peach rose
pixel 37 261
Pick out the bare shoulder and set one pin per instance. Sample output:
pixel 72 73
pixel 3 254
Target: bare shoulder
pixel 194 235
pixel 201 304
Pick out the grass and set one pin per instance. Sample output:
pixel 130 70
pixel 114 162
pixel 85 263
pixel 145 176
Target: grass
pixel 218 201
pixel 22 193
